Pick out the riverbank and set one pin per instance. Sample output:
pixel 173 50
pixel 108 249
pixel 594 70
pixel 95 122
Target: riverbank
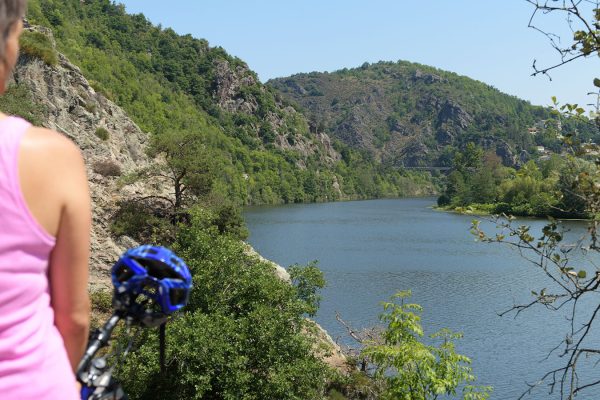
pixel 489 210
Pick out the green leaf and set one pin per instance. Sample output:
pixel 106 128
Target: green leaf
pixel 597 82
pixel 582 274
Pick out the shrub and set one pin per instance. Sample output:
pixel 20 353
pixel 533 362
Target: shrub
pixel 229 220
pixel 127 179
pixel 308 280
pixel 101 302
pixel 143 221
pixel 38 45
pixel 18 100
pixel 102 133
pixel 91 107
pixel 107 168
pixel 414 369
pixel 240 336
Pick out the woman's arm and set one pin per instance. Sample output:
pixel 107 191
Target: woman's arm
pixel 53 169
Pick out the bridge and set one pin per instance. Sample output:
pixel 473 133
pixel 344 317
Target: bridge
pixel 428 168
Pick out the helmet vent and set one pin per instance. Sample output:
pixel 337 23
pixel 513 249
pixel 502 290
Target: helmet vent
pixel 123 273
pixel 157 269
pixel 175 261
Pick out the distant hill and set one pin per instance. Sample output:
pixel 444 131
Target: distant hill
pixel 408 114
pixel 265 150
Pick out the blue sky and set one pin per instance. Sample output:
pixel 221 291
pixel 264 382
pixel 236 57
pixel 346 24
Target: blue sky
pixel 483 39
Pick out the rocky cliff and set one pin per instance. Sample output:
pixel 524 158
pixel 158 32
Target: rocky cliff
pixel 111 143
pixel 236 90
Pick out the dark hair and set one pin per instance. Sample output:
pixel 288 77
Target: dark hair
pixel 11 11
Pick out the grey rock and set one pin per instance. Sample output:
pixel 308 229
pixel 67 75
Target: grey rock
pixel 76 110
pixel 452 112
pixel 427 78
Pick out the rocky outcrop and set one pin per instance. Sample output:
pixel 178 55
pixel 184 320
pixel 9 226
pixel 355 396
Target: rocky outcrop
pixel 237 90
pixel 76 110
pixel 327 349
pixel 278 270
pixel 427 78
pixel 504 151
pixel 452 113
pixel 229 81
pixel 407 114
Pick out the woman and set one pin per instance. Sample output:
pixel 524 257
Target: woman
pixel 44 247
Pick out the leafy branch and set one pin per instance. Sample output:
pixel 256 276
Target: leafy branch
pixel 586 33
pixel 569 285
pixel 410 368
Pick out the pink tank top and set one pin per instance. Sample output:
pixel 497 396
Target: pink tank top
pixel 33 360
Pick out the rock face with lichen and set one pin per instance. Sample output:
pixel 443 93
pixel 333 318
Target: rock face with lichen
pixel 410 115
pixel 237 90
pixel 113 146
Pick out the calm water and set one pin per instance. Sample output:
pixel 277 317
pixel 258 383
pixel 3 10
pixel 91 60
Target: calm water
pixel 369 250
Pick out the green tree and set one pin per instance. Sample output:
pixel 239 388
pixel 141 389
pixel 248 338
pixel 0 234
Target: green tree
pixel 469 158
pixel 412 369
pixel 483 186
pixel 241 336
pixel 188 166
pixel 308 280
pixel 576 184
pixel 456 188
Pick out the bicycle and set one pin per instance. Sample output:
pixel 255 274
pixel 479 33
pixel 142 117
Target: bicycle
pixel 150 283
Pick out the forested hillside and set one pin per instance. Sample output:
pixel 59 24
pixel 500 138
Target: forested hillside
pixel 407 114
pixel 261 150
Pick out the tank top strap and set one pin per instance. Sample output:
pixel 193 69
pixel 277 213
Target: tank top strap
pixel 12 130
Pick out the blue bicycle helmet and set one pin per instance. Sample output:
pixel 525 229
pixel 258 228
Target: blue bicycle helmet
pixel 150 274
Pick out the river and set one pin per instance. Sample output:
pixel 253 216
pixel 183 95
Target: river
pixel 369 250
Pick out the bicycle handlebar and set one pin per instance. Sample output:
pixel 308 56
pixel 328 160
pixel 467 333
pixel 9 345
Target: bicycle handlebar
pixel 101 340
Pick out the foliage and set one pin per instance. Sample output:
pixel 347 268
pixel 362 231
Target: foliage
pixel 240 336
pixel 101 306
pixel 412 369
pixel 102 133
pixel 145 220
pixel 37 44
pixel 101 301
pixel 571 283
pixel 356 385
pixel 229 220
pixel 169 84
pixel 583 19
pixel 107 168
pixel 308 280
pixel 188 166
pixel 550 186
pixel 18 100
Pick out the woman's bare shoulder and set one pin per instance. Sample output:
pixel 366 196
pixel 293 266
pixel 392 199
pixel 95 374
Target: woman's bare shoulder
pixel 51 156
pixel 53 177
pixel 48 143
